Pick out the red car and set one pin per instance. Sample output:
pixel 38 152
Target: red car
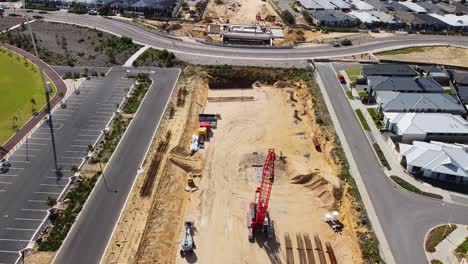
pixel 341 79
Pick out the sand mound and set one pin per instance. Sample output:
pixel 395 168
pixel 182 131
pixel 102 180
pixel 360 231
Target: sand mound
pixel 325 192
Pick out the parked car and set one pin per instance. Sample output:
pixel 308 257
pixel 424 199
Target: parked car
pixel 29 11
pixel 336 44
pixel 341 79
pixel 92 12
pixel 4 6
pixel 42 12
pixel 63 105
pixel 346 42
pixel 77 91
pixel 5 163
pixel 2 10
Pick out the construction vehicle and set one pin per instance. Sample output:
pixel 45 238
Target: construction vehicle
pixel 258 216
pixel 187 244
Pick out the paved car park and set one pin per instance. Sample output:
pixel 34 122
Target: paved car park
pixel 41 166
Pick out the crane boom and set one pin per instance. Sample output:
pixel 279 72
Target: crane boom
pixel 258 215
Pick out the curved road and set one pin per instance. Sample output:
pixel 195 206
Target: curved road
pixel 405 218
pixel 205 53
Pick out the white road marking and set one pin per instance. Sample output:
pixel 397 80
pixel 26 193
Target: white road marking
pixel 13 240
pixel 10 252
pixel 53 185
pixel 5 183
pixel 28 219
pixel 36 201
pixel 9 175
pixel 20 229
pixel 44 193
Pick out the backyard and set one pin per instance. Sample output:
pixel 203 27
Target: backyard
pixel 22 92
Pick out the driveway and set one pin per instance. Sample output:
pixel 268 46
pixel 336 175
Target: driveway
pixel 404 217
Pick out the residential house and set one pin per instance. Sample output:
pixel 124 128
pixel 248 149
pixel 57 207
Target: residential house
pixel 447 8
pixel 432 22
pixel 389 101
pixel 463 94
pixel 332 18
pixel 460 9
pixel 361 5
pixel 414 7
pixel 322 5
pixel 402 84
pixel 460 78
pixel 438 74
pixel 453 21
pixel 366 18
pixel 389 69
pixel 386 19
pixel 379 5
pixel 431 7
pixel 410 19
pixel 409 127
pixel 436 160
pixel 397 6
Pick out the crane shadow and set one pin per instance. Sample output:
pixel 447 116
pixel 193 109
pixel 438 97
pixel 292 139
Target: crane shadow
pixel 271 246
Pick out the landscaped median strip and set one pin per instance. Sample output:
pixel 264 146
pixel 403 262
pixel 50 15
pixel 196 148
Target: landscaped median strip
pixel 408 186
pixel 75 199
pixel 349 94
pixel 437 235
pixel 363 121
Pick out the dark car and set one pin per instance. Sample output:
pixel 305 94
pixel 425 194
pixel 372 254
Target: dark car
pixel 346 42
pixel 77 91
pixel 342 79
pixel 42 12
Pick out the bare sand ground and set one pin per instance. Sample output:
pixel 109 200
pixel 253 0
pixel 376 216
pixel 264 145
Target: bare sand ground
pixel 239 11
pixel 437 55
pixel 229 180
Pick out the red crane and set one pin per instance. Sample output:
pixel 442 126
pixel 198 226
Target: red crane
pixel 258 215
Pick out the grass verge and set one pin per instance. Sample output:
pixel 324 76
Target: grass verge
pixel 375 117
pixel 463 247
pixel 363 121
pixel 437 235
pixel 362 94
pixel 381 156
pixel 408 186
pixel 436 261
pixel 353 74
pixel 401 51
pixel 349 94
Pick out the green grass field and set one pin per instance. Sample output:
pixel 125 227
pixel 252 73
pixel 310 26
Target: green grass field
pixel 20 82
pixel 401 51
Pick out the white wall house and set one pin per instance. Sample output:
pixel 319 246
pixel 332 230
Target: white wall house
pixel 437 160
pixel 409 127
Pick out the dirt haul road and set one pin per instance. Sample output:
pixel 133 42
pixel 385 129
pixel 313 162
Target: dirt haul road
pixel 232 170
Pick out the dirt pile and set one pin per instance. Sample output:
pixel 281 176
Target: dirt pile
pixel 326 193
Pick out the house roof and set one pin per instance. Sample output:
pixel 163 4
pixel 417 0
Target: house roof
pixel 310 4
pixel 153 3
pixel 397 6
pixel 431 7
pixel 340 4
pixel 408 18
pixel 384 17
pixel 404 84
pixel 331 16
pixel 431 20
pixel 463 93
pixel 382 6
pixel 437 156
pixel 424 123
pixel 400 102
pixel 447 8
pixel 414 7
pixel 460 78
pixel 364 16
pixel 361 5
pixel 388 70
pixel 453 20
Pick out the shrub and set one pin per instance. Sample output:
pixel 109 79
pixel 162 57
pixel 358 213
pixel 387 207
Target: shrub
pixel 288 17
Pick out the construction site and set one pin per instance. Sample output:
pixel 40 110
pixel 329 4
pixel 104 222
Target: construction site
pixel 241 171
pixel 241 11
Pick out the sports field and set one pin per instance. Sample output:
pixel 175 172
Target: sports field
pixel 20 83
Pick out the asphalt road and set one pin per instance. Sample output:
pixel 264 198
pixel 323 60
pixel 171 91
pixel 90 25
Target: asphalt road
pixel 36 173
pixel 196 52
pixel 88 238
pixel 405 217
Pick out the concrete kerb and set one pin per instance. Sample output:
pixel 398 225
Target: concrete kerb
pixel 428 254
pixel 17 26
pixel 141 166
pixel 383 243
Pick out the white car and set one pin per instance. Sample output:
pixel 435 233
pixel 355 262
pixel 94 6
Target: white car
pixel 92 12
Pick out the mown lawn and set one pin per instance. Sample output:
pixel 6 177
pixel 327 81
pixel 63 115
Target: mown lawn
pixel 353 74
pixel 20 82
